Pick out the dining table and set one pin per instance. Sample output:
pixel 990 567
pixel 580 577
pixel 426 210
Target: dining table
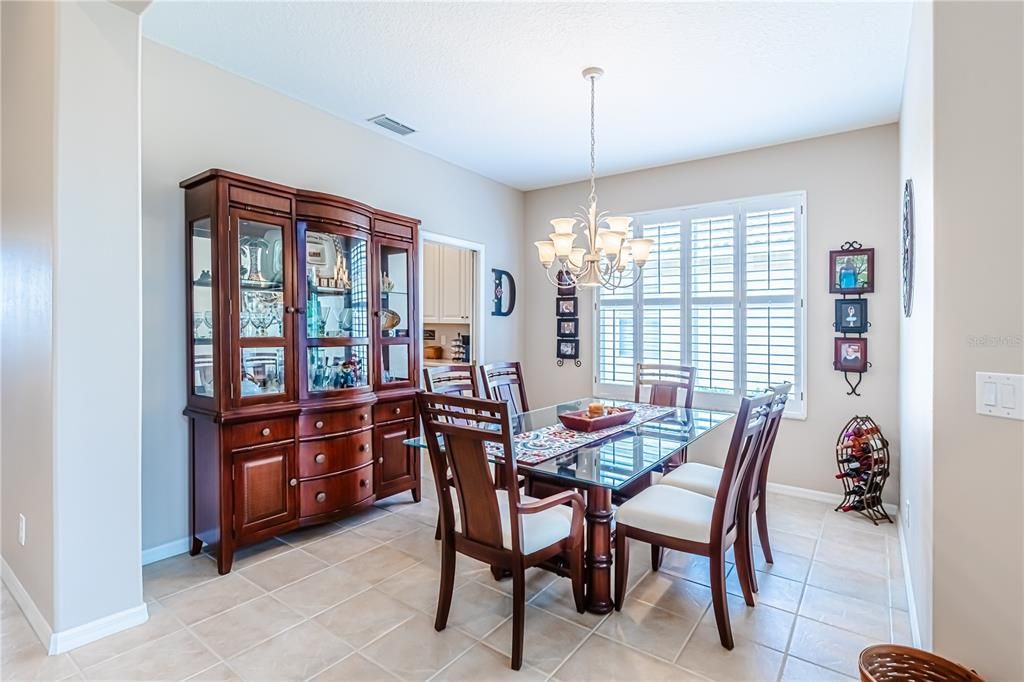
pixel 602 466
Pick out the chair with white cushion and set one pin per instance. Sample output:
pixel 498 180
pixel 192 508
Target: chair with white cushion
pixel 679 519
pixel 704 478
pixel 501 527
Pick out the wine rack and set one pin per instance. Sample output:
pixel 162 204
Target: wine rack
pixel 862 456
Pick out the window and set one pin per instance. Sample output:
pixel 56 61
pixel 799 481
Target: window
pixel 722 291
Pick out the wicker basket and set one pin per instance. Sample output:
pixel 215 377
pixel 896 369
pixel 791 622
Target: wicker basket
pixel 894 663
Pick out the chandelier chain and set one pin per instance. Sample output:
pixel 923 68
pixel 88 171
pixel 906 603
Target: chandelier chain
pixel 593 146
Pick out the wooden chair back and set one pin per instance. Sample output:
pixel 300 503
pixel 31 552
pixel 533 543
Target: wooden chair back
pixel 743 450
pixel 504 381
pixel 666 381
pixel 451 380
pixel 759 472
pixel 457 430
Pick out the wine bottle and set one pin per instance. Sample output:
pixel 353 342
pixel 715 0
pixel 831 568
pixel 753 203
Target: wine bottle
pixel 856 505
pixel 854 473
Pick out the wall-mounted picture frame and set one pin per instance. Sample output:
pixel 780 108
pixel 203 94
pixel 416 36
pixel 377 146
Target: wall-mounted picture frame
pixel 568 327
pixel 851 271
pixel 568 349
pixel 851 315
pixel 567 306
pixel 565 285
pixel 850 355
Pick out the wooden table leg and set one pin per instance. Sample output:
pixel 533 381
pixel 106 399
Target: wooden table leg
pixel 599 549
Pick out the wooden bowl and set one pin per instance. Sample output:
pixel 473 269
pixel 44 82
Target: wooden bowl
pixel 580 421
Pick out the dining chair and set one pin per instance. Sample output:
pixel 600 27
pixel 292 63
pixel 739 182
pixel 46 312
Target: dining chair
pixel 666 382
pixel 680 519
pixel 451 380
pixel 500 527
pixel 705 478
pixel 504 381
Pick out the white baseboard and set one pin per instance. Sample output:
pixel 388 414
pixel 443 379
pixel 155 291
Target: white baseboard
pixel 820 496
pixel 32 613
pixel 168 549
pixel 72 638
pixel 915 625
pixel 66 640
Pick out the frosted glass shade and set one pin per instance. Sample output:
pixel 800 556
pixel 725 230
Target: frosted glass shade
pixel 545 252
pixel 641 249
pixel 618 223
pixel 563 225
pixel 576 257
pixel 611 242
pixel 624 257
pixel 563 243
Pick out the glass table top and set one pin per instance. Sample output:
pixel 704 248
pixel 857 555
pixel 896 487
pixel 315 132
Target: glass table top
pixel 619 459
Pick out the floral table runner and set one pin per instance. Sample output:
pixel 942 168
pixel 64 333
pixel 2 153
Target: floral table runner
pixel 536 446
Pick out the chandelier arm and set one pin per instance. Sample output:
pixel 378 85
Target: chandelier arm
pixel 593 145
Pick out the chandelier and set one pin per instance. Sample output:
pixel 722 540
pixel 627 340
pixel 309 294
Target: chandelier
pixel 611 260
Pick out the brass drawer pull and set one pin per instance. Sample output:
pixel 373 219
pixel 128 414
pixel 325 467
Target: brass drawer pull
pixel 320 458
pixel 398 410
pixel 294 482
pixel 380 460
pixel 321 497
pixel 362 447
pixel 362 483
pixel 362 417
pixel 265 431
pixel 319 424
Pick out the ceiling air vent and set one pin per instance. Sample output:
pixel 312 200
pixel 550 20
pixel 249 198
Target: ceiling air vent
pixel 391 124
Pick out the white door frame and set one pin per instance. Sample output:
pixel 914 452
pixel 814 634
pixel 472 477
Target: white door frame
pixel 480 298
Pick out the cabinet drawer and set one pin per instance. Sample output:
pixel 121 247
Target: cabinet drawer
pixel 324 495
pixel 260 432
pixel 331 455
pixel 391 229
pixel 389 412
pixel 323 423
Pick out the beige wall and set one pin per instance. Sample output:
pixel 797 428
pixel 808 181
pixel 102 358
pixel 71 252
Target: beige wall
pixel 917 332
pixel 852 183
pixel 978 596
pixel 196 116
pixel 29 222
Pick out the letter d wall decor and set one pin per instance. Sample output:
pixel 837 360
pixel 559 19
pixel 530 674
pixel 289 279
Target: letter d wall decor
pixel 504 293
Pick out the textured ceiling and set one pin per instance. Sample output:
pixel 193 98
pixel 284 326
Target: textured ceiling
pixel 496 87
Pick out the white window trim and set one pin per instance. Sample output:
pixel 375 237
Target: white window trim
pixel 797 408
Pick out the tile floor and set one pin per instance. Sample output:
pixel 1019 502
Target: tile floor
pixel 355 601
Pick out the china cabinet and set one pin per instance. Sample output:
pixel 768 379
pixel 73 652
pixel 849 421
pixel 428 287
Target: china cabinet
pixel 303 348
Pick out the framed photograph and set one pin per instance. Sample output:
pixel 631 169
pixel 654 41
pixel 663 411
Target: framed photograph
pixel 850 355
pixel 316 250
pixel 568 327
pixel 851 315
pixel 851 271
pixel 565 285
pixel 568 349
pixel 566 306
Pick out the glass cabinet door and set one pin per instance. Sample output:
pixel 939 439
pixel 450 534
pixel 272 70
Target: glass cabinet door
pixel 261 304
pixel 395 323
pixel 201 305
pixel 337 301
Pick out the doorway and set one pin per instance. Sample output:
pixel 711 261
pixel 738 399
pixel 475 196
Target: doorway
pixel 452 301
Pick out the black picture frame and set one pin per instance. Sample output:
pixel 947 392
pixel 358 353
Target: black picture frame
pixel 853 321
pixel 856 263
pixel 850 354
pixel 568 349
pixel 566 306
pixel 567 327
pixel 565 285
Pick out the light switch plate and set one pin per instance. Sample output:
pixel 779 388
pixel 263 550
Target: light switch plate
pixel 1000 395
